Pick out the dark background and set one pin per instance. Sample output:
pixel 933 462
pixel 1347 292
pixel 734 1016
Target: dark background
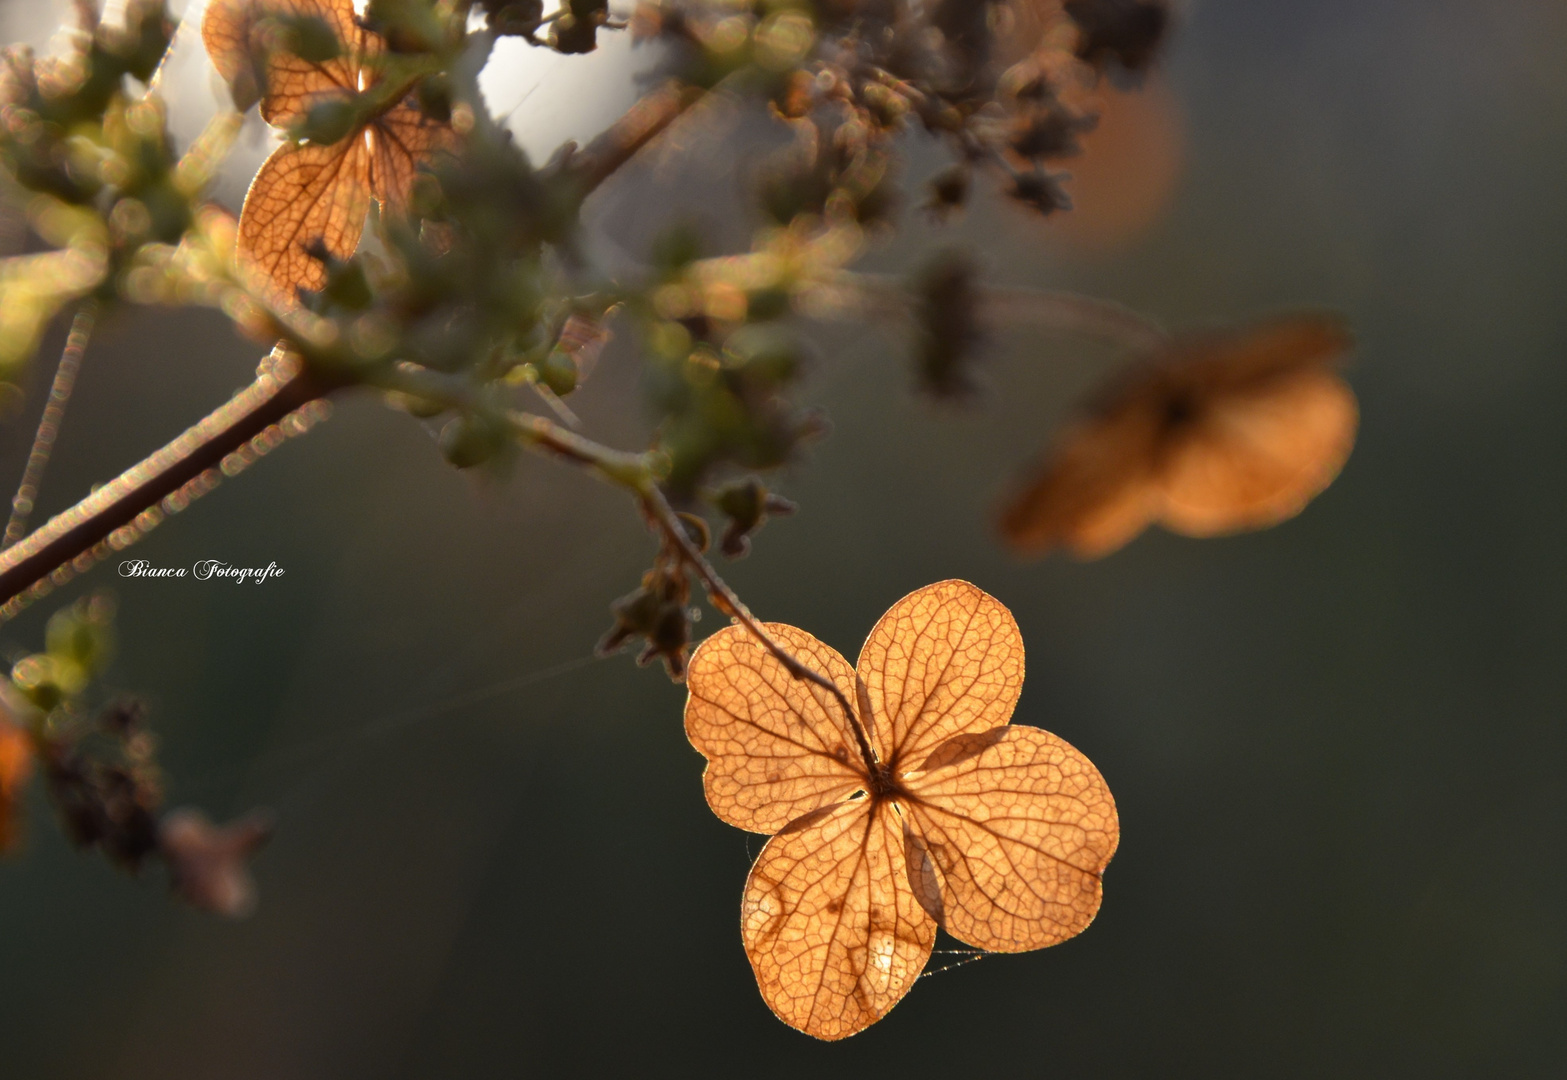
pixel 1337 746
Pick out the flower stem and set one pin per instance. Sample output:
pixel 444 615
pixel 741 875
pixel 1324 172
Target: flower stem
pixel 49 423
pixel 725 600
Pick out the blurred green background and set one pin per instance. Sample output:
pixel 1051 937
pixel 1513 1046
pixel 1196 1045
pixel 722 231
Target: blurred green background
pixel 1338 746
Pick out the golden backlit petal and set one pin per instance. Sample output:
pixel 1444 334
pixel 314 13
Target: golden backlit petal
pixel 304 194
pixel 1094 493
pixel 229 32
pixel 776 747
pixel 1257 456
pixel 292 83
pixel 1017 826
pixel 16 766
pixel 402 141
pixel 830 921
pixel 945 660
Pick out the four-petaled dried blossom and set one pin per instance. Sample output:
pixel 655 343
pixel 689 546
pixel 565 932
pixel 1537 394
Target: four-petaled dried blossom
pixel 923 808
pixel 318 191
pixel 209 865
pixel 1215 435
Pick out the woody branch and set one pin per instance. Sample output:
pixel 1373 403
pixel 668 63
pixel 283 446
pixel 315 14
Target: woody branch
pixel 70 538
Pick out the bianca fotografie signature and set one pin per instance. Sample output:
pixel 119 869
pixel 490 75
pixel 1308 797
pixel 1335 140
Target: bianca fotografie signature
pixel 204 570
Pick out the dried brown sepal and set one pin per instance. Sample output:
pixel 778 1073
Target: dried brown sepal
pixel 657 612
pixel 1216 435
pixel 209 865
pixel 747 504
pixel 998 833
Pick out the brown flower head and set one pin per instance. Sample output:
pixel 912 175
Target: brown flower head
pixel 942 815
pixel 1216 435
pixel 316 193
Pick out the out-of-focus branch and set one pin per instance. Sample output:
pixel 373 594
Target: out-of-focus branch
pixel 121 509
pixel 1072 313
pixel 642 123
pixel 139 498
pixel 49 423
pixel 849 294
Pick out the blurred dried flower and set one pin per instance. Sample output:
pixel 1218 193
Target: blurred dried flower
pixel 1214 435
pixel 947 307
pixel 658 612
pixel 209 865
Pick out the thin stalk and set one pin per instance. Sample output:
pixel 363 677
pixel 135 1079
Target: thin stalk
pixel 726 601
pixel 640 125
pixel 1074 313
pixel 634 472
pixel 49 423
pixel 850 294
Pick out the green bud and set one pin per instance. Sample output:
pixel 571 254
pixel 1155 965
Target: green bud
pixel 48 680
pixel 435 97
pixel 79 636
pixel 765 305
pixel 426 199
pixel 471 440
pixel 310 38
pixel 676 248
pixel 414 406
pixel 765 352
pixel 328 122
pixel 558 372
pixel 347 286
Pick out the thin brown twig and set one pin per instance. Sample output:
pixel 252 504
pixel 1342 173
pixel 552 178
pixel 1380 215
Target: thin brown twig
pixel 49 423
pixel 726 601
pixel 1074 313
pixel 641 124
pixel 630 471
pixel 852 293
